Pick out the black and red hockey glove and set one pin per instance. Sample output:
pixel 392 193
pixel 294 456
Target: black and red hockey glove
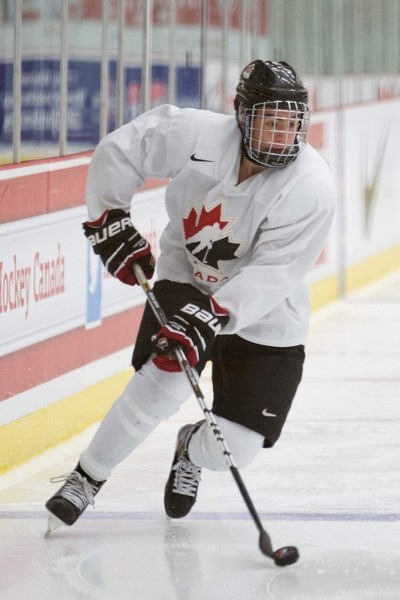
pixel 119 244
pixel 194 328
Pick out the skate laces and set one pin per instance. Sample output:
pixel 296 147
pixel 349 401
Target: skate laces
pixel 77 489
pixel 187 477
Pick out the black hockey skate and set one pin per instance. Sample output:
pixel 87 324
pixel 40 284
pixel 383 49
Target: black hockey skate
pixel 72 498
pixel 183 481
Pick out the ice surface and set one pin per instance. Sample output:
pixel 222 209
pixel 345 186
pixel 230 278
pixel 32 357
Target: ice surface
pixel 330 486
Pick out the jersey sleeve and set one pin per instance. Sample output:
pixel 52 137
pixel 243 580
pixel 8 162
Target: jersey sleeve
pixel 283 255
pixel 148 147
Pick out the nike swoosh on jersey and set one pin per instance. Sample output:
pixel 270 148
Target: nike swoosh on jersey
pixel 193 157
pixel 265 413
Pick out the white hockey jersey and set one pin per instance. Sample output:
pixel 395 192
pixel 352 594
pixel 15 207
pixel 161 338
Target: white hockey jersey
pixel 249 245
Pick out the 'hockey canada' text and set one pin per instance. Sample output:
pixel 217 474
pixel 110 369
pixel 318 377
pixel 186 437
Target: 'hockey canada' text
pixel 45 277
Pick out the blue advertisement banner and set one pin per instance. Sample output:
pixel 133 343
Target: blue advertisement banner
pixel 40 97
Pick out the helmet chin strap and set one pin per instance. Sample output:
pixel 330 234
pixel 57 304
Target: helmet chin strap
pixel 249 157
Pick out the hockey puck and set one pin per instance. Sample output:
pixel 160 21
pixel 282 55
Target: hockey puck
pixel 286 556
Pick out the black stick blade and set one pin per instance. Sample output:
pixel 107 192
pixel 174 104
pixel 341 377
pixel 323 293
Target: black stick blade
pixel 265 544
pixel 286 556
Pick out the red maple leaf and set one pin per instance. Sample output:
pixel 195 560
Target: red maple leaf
pixel 194 222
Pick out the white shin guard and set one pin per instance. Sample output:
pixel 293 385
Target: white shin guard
pixel 243 443
pixel 150 397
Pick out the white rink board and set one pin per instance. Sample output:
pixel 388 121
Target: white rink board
pixel 43 273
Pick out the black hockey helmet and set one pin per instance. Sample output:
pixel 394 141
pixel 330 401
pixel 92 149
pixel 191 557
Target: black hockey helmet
pixel 262 81
pixel 277 87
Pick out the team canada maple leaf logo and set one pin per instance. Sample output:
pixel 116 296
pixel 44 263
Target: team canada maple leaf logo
pixel 207 236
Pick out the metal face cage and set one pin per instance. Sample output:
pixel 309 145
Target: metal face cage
pixel 275 132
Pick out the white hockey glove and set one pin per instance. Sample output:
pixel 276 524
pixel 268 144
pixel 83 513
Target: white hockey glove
pixel 119 244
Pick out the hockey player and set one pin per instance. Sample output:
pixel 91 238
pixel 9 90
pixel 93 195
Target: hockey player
pixel 250 205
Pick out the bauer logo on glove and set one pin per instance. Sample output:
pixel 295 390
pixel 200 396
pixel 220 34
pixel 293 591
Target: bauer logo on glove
pixel 109 231
pixel 119 245
pixel 193 328
pixel 203 315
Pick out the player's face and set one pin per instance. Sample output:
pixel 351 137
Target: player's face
pixel 274 130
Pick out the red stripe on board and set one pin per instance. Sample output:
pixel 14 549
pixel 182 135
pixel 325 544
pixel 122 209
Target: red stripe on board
pixel 24 196
pixel 21 198
pixel 56 356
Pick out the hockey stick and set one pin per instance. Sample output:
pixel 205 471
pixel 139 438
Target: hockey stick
pixel 282 557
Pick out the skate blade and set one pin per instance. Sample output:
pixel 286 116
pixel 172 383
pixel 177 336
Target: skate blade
pixel 53 523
